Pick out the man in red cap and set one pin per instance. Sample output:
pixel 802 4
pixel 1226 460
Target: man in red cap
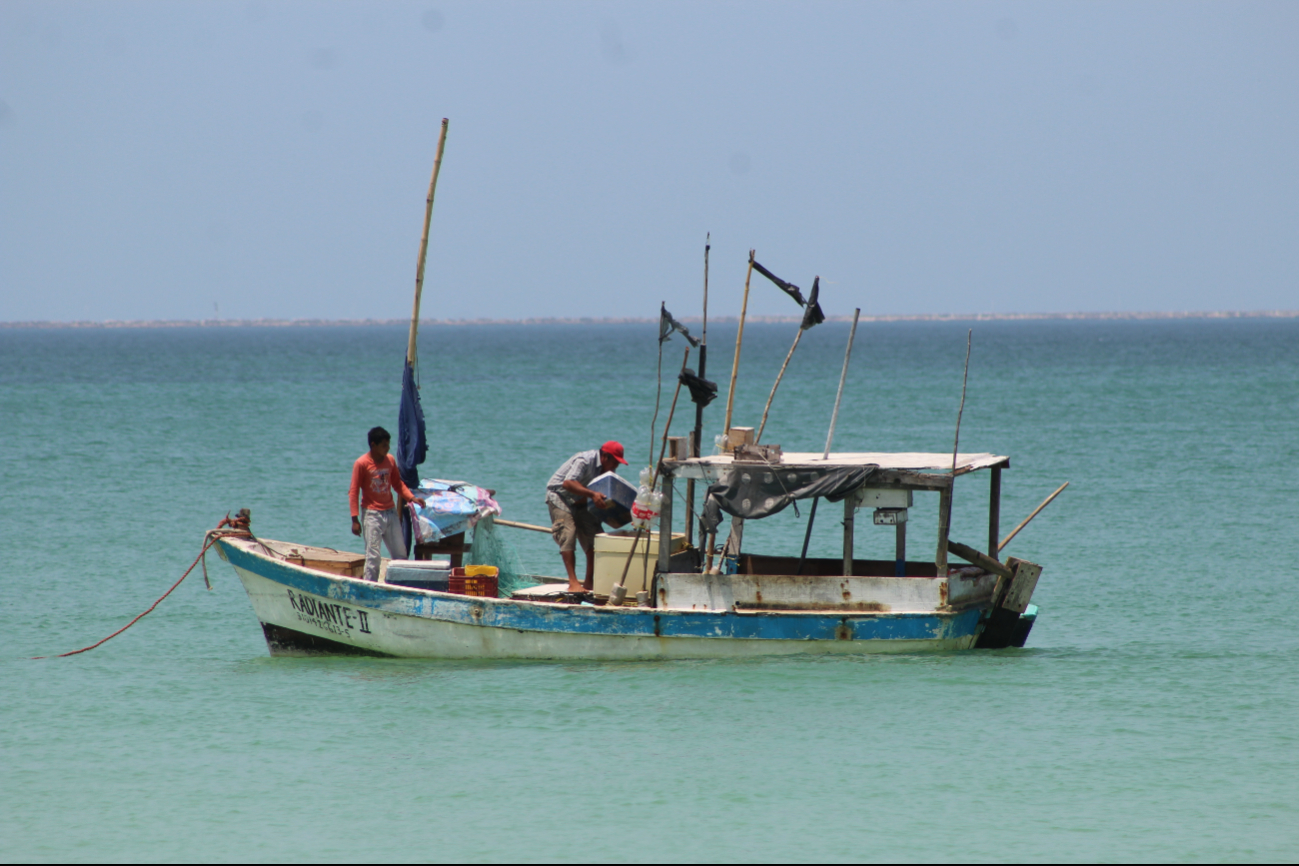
pixel 571 522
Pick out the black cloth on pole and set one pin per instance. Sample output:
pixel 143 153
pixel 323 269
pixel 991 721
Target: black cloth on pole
pixel 412 447
pixel 711 517
pixel 702 391
pixel 787 287
pixel 812 314
pixel 667 324
pixel 760 490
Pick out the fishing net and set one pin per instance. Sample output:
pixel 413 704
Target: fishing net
pixel 490 547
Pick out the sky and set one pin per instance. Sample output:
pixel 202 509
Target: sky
pixel 246 160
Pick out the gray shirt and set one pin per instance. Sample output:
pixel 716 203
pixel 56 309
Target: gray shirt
pixel 582 467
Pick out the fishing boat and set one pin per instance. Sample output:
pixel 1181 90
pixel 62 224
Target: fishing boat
pixel 695 601
pixel 312 599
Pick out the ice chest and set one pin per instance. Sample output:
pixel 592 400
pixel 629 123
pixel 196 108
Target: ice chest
pixel 434 574
pixel 611 549
pixel 617 490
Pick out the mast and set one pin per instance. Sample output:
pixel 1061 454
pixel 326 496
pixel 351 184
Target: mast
pixel 423 246
pixel 696 443
pixel 412 445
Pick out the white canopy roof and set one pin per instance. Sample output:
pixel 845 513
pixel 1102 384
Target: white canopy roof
pixel 711 467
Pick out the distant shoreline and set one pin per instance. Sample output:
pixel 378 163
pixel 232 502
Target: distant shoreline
pixel 950 317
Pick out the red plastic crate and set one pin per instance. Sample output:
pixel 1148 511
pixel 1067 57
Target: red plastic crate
pixel 480 585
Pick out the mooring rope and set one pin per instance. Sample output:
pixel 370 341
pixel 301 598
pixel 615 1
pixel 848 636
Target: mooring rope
pixel 209 538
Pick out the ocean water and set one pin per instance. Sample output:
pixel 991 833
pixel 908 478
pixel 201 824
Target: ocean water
pixel 1154 714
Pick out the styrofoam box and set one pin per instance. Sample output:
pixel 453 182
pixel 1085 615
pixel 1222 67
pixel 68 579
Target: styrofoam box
pixel 420 573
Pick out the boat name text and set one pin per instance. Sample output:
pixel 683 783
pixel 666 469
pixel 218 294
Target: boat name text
pixel 329 616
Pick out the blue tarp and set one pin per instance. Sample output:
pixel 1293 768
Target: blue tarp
pixel 412 447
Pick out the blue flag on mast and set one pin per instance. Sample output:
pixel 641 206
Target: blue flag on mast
pixel 412 447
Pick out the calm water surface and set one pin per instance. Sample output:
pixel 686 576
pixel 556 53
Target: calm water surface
pixel 1152 716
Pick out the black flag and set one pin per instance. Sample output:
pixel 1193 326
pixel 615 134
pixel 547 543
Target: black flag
pixel 788 288
pixel 702 391
pixel 812 314
pixel 667 325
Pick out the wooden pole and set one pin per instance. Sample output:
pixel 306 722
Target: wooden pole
pixel 779 376
pixel 665 528
pixel 834 419
pixel 900 550
pixel 994 512
pixel 696 444
pixel 626 566
pixel 739 341
pixel 1044 504
pixel 517 525
pixel 969 554
pixel 658 394
pixel 969 337
pixel 671 412
pixel 654 478
pixel 849 510
pixel 423 244
pixel 944 515
pixel 807 536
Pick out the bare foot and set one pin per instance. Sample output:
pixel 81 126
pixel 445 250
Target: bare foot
pixel 574 586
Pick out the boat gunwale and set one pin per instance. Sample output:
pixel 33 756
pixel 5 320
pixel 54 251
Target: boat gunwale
pixel 248 547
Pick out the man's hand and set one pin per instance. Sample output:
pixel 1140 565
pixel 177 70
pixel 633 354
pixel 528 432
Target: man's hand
pixel 356 526
pixel 418 501
pixel 600 500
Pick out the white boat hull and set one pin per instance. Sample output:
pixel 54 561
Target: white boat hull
pixel 305 610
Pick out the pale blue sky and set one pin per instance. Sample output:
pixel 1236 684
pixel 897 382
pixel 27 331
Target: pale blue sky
pixel 157 158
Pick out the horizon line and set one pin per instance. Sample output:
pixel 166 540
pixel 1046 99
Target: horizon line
pixel 623 320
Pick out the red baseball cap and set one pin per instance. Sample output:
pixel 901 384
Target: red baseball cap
pixel 614 450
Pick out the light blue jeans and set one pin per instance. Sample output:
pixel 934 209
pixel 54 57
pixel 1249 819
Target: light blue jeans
pixel 379 526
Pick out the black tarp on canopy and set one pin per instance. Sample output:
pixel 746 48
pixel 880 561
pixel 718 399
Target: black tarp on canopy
pixel 761 490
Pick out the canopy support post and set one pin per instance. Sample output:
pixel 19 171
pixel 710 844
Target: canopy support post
pixel 944 518
pixel 900 567
pixel 994 513
pixel 849 510
pixel 665 526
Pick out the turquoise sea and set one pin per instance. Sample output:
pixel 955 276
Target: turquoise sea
pixel 1153 716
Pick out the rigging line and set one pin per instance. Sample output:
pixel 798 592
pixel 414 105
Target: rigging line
pixel 212 537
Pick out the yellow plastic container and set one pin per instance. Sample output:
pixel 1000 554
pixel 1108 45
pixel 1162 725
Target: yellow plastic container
pixel 482 571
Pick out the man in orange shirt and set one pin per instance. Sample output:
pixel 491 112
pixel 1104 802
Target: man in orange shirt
pixel 375 477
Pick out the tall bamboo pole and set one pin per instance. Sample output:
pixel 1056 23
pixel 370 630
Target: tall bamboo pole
pixel 423 245
pixel 847 354
pixel 739 341
pixel 1036 511
pixel 772 396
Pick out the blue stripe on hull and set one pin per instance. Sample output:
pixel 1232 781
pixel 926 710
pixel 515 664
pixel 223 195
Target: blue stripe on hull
pixel 541 617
